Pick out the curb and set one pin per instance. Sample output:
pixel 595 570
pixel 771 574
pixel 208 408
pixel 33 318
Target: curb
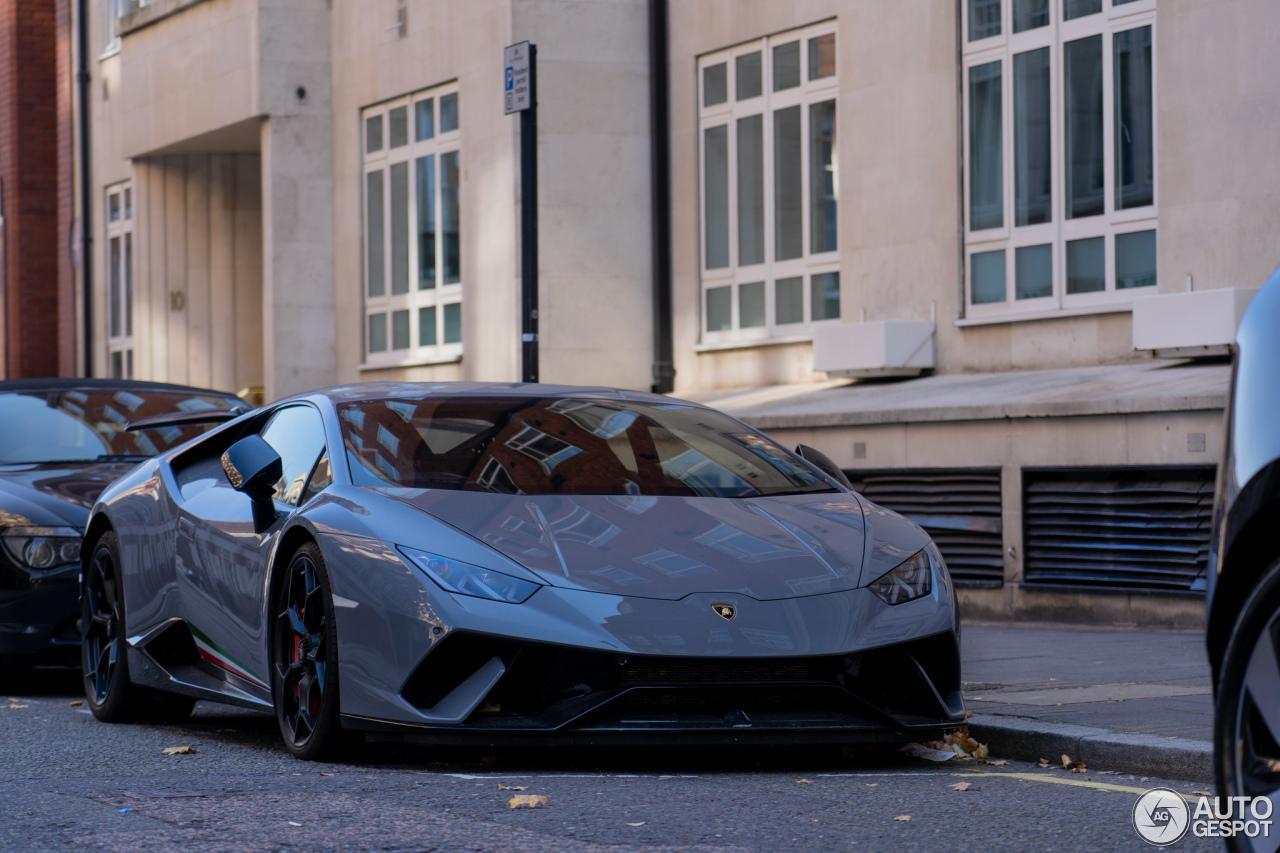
pixel 1144 755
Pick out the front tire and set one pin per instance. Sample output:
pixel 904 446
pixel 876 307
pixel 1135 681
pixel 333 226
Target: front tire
pixel 1247 718
pixel 305 660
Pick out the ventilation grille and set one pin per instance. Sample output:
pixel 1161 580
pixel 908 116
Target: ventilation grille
pixel 960 509
pixel 1144 528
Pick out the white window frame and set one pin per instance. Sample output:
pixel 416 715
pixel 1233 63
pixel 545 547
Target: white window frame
pixel 442 294
pixel 121 279
pixel 809 92
pixel 1114 18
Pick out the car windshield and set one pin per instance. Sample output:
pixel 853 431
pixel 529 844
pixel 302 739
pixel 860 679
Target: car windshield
pixel 79 424
pixel 565 446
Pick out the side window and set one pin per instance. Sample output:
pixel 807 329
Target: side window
pixel 297 434
pixel 321 479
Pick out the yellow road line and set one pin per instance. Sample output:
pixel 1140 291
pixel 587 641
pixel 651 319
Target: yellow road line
pixel 1059 780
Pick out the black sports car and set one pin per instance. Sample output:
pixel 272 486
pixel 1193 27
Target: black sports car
pixel 1244 579
pixel 62 441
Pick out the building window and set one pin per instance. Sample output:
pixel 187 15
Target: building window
pixel 412 235
pixel 120 249
pixel 769 184
pixel 1059 151
pixel 111 10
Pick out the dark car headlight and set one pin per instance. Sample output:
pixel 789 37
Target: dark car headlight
pixel 42 547
pixel 467 579
pixel 909 580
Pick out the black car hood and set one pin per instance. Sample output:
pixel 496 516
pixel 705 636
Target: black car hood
pixel 669 547
pixel 54 493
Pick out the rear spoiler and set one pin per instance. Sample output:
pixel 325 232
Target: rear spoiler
pixel 208 416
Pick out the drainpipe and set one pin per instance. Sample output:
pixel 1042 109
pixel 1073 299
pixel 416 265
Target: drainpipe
pixel 84 79
pixel 664 371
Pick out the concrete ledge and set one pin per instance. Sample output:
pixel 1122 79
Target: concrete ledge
pixel 1100 749
pixel 1074 606
pixel 152 13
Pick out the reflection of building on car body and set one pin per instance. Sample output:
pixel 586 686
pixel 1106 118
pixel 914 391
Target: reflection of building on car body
pixel 516 563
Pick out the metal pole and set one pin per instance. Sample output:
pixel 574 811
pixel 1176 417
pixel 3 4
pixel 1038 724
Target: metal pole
pixel 529 225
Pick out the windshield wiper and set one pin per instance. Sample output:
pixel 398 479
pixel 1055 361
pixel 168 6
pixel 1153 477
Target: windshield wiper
pixel 121 457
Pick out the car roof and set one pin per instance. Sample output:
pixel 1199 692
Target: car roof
pixel 368 391
pixel 65 383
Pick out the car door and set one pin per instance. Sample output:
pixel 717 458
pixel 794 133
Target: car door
pixel 218 531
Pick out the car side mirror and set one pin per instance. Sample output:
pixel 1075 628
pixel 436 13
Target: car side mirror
pixel 823 464
pixel 253 467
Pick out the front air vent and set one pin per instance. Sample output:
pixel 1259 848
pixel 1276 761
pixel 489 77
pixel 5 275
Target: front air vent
pixel 1137 528
pixel 959 508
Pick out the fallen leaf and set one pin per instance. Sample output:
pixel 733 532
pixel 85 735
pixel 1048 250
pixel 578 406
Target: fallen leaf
pixel 533 801
pixel 294 823
pixel 1073 766
pixel 1108 772
pixel 502 787
pixel 903 817
pixel 322 773
pixel 16 707
pixel 964 786
pixel 1203 793
pixel 1044 762
pixel 872 784
pixel 1143 779
pixel 639 823
pixel 968 714
pixel 1000 762
pixel 76 704
pixel 178 750
pixel 804 781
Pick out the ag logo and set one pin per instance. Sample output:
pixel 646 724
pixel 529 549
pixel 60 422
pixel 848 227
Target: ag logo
pixel 726 611
pixel 1161 817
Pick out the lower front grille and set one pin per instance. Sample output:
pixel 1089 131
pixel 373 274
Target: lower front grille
pixel 676 671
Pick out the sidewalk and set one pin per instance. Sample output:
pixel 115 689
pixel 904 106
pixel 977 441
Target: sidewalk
pixel 1137 701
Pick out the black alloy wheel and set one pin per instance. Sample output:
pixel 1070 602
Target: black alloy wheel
pixel 1247 718
pixel 305 660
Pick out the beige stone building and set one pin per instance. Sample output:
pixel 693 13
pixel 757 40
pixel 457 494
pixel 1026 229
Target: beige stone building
pixel 919 235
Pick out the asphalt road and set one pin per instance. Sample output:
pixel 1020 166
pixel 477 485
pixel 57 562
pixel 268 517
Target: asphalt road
pixel 68 782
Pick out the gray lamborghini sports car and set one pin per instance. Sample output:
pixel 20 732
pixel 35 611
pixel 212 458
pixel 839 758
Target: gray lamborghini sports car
pixel 497 563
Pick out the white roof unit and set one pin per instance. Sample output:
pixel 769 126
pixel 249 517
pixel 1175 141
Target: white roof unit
pixel 1189 324
pixel 875 348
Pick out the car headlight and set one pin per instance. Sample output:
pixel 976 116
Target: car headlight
pixel 909 580
pixel 466 579
pixel 42 547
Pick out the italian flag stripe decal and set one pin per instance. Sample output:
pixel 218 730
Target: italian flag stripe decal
pixel 216 656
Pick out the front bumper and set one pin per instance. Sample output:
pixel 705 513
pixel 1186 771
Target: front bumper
pixel 38 616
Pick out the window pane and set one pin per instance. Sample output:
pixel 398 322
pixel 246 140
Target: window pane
pixel 425 111
pixel 750 76
pixel 788 241
pixel 399 228
pixel 114 273
pixel 1083 63
pixel 986 273
pixel 374 249
pixel 1033 272
pixel 1120 2
pixel 377 333
pixel 128 282
pixel 1087 265
pixel 984 19
pixel 117 365
pixel 716 193
pixel 128 204
pixel 373 134
pixel 453 323
pixel 1080 8
pixel 427 326
pixel 715 84
pixel 719 309
pixel 751 190
pixel 399 127
pixel 823 188
pixel 1032 174
pixel 789 301
pixel 822 56
pixel 426 222
pixel 1135 260
pixel 113 207
pixel 751 305
pixel 400 329
pixel 449 223
pixel 986 150
pixel 824 296
pixel 786 66
pixel 1134 148
pixel 449 112
pixel 1030 14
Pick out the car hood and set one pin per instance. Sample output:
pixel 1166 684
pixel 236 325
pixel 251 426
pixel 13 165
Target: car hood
pixel 54 494
pixel 669 547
